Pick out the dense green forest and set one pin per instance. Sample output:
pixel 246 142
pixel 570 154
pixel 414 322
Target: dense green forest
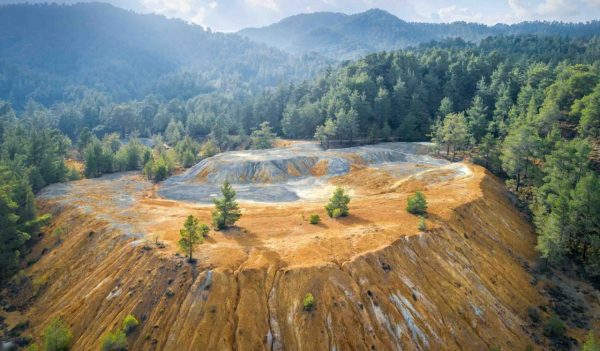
pixel 526 107
pixel 125 55
pixel 338 35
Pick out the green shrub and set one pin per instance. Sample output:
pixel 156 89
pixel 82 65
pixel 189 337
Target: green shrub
pixel 417 204
pixel 315 219
pixel 308 302
pixel 130 323
pixel 33 347
pixel 554 327
pixel 57 336
pixel 338 204
pixel 591 343
pixel 114 341
pixel 422 225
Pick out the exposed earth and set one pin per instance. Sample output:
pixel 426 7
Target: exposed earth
pixel 379 282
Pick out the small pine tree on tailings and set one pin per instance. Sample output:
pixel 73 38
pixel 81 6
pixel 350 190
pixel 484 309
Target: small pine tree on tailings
pixel 227 210
pixel 338 204
pixel 192 234
pixel 417 204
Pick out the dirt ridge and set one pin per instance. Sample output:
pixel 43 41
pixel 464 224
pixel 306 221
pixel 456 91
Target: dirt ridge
pixel 460 285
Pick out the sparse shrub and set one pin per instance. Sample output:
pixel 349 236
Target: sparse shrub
pixel 314 219
pixel 114 341
pixel 130 323
pixel 417 204
pixel 57 336
pixel 338 204
pixel 554 327
pixel 422 225
pixel 308 302
pixel 58 233
pixel 591 343
pixel 533 314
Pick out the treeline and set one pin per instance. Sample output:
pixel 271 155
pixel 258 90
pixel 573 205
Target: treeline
pixel 32 155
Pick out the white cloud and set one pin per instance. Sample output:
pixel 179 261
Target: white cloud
pixel 192 11
pixel 213 5
pixel 553 9
pixel 453 13
pixel 272 5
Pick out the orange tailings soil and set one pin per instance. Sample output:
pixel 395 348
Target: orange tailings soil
pixel 378 282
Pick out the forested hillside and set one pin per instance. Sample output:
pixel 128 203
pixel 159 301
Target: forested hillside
pixel 349 36
pixel 525 107
pixel 49 52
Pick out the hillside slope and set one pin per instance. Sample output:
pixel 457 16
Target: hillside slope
pixel 45 50
pixel 379 283
pixel 349 36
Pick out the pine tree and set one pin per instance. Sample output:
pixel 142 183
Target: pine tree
pixel 57 336
pixel 477 118
pixel 383 108
pixel 338 204
pixel 518 150
pixel 446 108
pixel 504 103
pixel 455 132
pixel 262 138
pixel 191 235
pixel 227 210
pixel 563 169
pixel 585 207
pixel 347 125
pixel 417 204
pixel 326 132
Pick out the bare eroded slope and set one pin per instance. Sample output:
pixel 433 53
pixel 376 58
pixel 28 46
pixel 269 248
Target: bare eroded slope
pixel 379 283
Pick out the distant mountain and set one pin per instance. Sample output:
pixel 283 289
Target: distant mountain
pixel 348 36
pixel 47 49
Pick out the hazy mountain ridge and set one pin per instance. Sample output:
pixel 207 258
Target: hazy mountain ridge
pixel 351 36
pixel 47 48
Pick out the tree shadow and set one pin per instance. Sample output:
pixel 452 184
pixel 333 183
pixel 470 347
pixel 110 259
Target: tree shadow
pixel 351 220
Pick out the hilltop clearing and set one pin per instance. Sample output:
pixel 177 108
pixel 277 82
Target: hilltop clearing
pixel 378 281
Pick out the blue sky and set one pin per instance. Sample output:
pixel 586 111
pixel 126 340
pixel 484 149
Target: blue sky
pixel 231 15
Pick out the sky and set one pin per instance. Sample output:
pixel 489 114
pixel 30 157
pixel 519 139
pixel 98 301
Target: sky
pixel 232 15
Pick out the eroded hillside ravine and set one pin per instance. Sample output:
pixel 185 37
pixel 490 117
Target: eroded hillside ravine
pixel 379 282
